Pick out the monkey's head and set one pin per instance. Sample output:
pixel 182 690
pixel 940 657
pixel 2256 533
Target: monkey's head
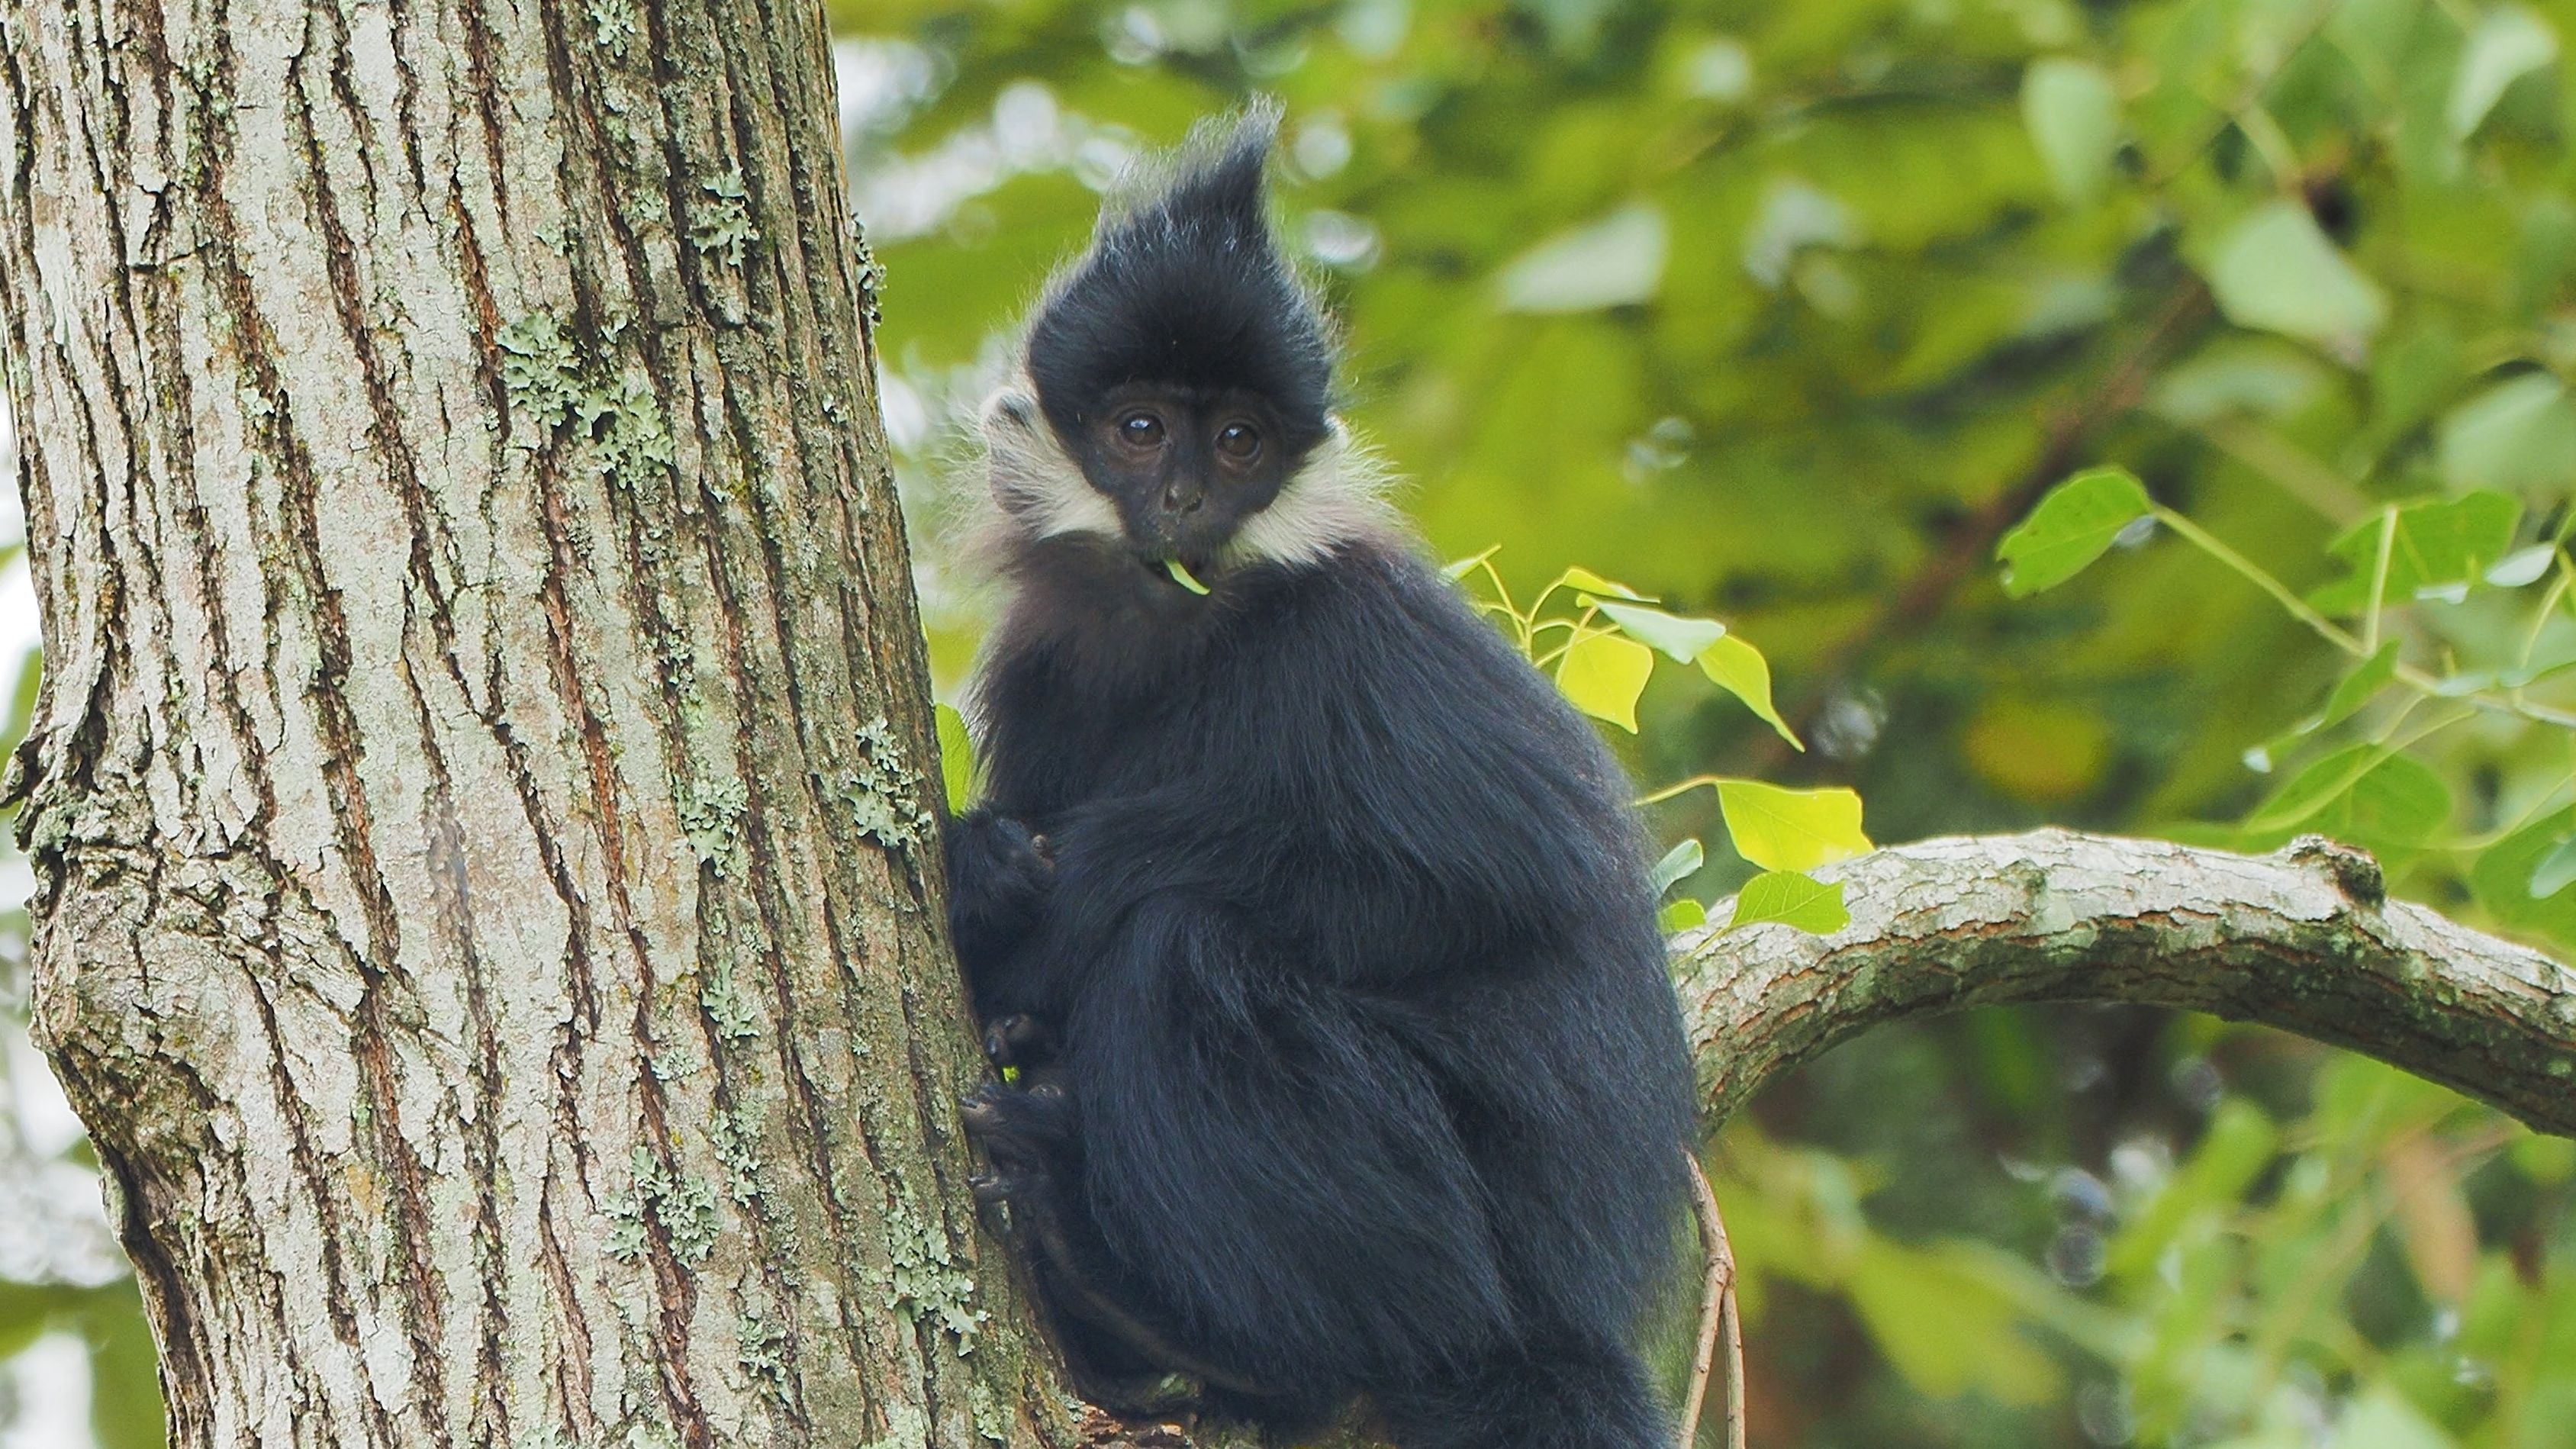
pixel 1172 406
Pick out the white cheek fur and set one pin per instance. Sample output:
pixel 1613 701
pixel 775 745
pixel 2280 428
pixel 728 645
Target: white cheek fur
pixel 1339 496
pixel 1038 487
pixel 1336 498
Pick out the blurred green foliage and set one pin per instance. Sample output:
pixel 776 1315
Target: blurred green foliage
pixel 1789 316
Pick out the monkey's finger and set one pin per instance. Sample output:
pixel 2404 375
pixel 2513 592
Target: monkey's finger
pixel 981 1109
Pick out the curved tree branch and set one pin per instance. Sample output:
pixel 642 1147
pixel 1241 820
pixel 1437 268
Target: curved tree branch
pixel 2303 939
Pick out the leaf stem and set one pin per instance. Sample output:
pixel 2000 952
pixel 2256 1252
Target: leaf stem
pixel 2379 580
pixel 2548 606
pixel 2299 608
pixel 1682 788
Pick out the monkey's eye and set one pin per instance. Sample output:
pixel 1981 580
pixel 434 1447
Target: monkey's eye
pixel 1238 441
pixel 1141 430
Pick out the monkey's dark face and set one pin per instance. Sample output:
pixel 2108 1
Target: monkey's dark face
pixel 1168 433
pixel 1184 467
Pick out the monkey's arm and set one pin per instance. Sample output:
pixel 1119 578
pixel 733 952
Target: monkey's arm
pixel 999 877
pixel 1270 1159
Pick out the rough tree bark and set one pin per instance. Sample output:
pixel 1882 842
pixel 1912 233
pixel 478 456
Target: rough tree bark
pixel 2305 940
pixel 481 790
pixel 487 897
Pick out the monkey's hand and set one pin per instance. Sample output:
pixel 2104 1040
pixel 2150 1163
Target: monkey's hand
pixel 1024 1131
pixel 999 874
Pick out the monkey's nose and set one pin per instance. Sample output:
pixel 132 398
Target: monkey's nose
pixel 1180 499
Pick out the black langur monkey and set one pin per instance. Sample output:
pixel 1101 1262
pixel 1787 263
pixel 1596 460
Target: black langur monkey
pixel 1315 920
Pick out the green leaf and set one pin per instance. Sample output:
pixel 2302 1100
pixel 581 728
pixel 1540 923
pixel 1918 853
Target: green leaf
pixel 2519 434
pixel 1617 261
pixel 2359 687
pixel 2510 42
pixel 2361 794
pixel 1680 637
pixel 2323 781
pixel 1780 829
pixel 2382 1419
pixel 2556 871
pixel 1603 674
pixel 2547 1161
pixel 1792 899
pixel 956 757
pixel 2074 118
pixel 2275 271
pixel 2503 877
pixel 1682 915
pixel 2522 566
pixel 2070 528
pixel 2439 544
pixel 1738 668
pixel 2235 376
pixel 1680 861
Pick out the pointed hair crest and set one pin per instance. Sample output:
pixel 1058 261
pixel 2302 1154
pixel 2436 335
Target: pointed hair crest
pixel 1184 285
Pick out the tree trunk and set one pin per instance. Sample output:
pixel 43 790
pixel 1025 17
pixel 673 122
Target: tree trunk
pixel 482 794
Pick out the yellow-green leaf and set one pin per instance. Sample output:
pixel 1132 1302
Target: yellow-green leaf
pixel 1465 566
pixel 1683 638
pixel 2070 528
pixel 1780 829
pixel 1682 915
pixel 1584 581
pixel 956 757
pixel 1792 899
pixel 1739 669
pixel 1603 674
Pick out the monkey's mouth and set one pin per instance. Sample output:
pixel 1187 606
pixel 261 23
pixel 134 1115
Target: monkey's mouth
pixel 1175 573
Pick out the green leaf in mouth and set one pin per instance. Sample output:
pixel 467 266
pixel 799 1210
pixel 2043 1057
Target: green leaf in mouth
pixel 1181 575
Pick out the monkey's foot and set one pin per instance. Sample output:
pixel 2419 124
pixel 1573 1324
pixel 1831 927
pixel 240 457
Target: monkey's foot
pixel 998 853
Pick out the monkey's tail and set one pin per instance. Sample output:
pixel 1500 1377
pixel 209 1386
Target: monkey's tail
pixel 1550 1394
